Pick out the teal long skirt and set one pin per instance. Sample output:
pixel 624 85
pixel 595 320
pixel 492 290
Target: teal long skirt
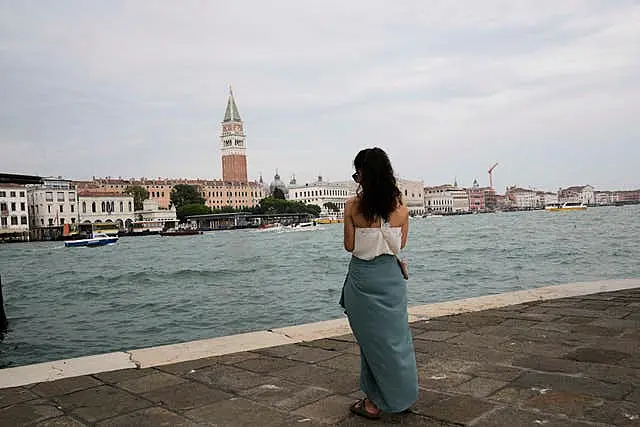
pixel 375 300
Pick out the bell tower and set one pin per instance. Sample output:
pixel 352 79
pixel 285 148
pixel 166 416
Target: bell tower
pixel 234 156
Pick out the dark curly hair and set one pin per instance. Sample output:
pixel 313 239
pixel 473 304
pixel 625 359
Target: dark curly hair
pixel 378 194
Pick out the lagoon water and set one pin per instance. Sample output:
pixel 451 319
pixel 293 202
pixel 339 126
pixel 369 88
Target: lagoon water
pixel 147 291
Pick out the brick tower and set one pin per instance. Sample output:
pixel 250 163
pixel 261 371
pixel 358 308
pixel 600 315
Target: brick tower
pixel 234 157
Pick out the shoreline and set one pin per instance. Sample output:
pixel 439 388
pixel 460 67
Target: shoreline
pixel 192 350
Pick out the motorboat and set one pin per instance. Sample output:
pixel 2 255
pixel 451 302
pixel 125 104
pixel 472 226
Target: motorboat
pixel 180 232
pixel 98 239
pixel 568 206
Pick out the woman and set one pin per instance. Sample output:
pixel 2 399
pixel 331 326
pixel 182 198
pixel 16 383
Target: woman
pixel 374 296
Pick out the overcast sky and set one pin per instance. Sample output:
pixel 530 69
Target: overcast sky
pixel 549 89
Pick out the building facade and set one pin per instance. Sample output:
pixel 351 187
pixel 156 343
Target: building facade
pixel 14 212
pixel 323 193
pixel 577 194
pixel 522 198
pixel 106 208
pixel 446 199
pixel 412 195
pixel 53 203
pixel 233 144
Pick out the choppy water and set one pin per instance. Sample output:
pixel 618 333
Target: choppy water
pixel 146 291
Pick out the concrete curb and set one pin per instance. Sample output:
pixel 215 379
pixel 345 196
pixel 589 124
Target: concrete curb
pixel 174 353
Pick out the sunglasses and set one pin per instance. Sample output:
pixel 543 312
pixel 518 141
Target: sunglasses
pixel 355 176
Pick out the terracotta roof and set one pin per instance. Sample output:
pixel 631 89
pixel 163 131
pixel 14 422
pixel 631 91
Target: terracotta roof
pixel 101 194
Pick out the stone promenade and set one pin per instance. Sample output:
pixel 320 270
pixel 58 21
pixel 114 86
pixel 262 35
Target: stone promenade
pixel 566 362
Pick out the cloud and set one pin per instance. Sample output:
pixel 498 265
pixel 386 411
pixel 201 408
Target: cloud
pixel 138 88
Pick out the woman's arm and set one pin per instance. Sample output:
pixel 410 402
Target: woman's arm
pixel 405 226
pixel 349 228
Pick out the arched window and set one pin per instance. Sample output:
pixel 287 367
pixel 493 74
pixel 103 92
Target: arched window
pixel 121 207
pixel 93 207
pixel 103 207
pixel 84 207
pixel 129 206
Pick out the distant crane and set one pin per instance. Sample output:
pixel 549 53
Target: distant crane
pixel 491 175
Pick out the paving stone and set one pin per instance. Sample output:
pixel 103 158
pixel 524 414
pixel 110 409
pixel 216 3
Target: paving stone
pixel 150 417
pixel 554 326
pixel 348 337
pixel 229 378
pixel 634 396
pixel 444 325
pixel 403 419
pixel 233 358
pixel 328 344
pixel 613 374
pixel 344 362
pixel 11 396
pixel 436 335
pixel 426 399
pixel 535 347
pixel 572 384
pixel 185 396
pixel 65 386
pixel 266 364
pixel 458 409
pixel 621 414
pixel 330 410
pixel 437 365
pixel 240 412
pixel 595 355
pixel 496 372
pixel 596 330
pixel 100 403
pixel 576 320
pixel 477 320
pixel 514 395
pixel 433 347
pixel 24 414
pixel 519 323
pixel 113 377
pixel 280 351
pixel 286 395
pixel 441 381
pixel 312 354
pixel 536 317
pixel 616 323
pixel 342 382
pixel 150 382
pixel 563 403
pixel 60 422
pixel 184 368
pixel 471 339
pixel 509 417
pixel 548 364
pixel 480 387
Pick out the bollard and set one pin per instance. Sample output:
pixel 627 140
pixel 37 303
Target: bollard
pixel 4 323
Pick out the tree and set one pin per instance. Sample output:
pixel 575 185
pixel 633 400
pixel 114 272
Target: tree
pixel 185 194
pixel 191 209
pixel 139 193
pixel 332 207
pixel 278 194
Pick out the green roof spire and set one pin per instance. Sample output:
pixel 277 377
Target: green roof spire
pixel 231 114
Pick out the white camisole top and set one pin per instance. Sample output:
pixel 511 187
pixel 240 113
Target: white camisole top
pixel 369 242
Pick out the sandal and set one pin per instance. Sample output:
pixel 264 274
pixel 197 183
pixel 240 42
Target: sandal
pixel 359 408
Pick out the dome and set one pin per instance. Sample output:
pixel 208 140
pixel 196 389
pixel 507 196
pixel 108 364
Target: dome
pixel 278 183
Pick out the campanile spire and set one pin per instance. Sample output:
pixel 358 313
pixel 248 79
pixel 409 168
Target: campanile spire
pixel 234 157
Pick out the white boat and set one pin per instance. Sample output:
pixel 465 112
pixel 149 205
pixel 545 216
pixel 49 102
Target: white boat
pixel 98 239
pixel 568 206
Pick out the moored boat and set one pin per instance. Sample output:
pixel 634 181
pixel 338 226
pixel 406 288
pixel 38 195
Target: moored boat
pixel 180 232
pixel 98 239
pixel 568 206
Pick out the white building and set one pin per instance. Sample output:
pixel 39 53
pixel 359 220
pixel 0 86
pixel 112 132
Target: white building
pixel 52 203
pixel 412 195
pixel 547 198
pixel 522 198
pixel 577 194
pixel 151 212
pixel 446 199
pixel 321 193
pixel 106 208
pixel 14 213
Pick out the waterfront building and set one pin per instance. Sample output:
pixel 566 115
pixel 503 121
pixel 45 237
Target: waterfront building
pixel 577 194
pixel 321 193
pixel 446 199
pixel 603 198
pixel 476 198
pixel 234 157
pixel 626 197
pixel 106 210
pixel 53 204
pixel 522 198
pixel 412 195
pixel 278 185
pixel 14 212
pixel 548 198
pixel 152 212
